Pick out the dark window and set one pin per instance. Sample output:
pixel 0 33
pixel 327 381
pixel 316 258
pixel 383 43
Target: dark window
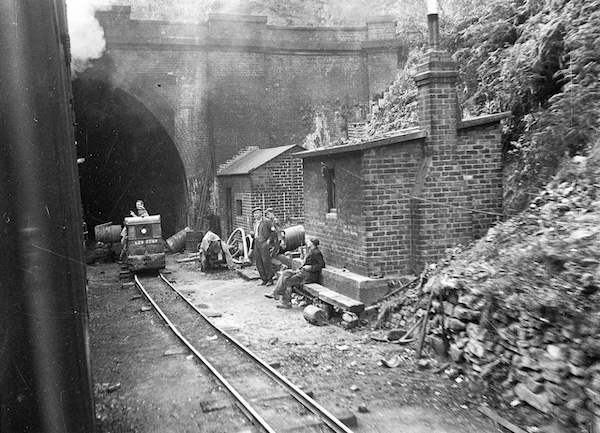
pixel 330 178
pixel 239 210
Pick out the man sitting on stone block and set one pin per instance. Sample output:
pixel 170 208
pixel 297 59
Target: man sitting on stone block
pixel 309 272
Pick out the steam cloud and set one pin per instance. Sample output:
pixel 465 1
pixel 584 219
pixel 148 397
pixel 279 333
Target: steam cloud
pixel 86 34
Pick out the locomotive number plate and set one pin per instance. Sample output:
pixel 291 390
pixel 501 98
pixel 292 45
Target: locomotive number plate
pixel 145 242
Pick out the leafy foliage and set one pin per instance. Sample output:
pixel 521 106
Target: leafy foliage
pixel 539 60
pixel 547 258
pixel 398 107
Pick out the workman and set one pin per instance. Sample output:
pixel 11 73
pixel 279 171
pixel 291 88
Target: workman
pixel 141 212
pixel 264 238
pixel 309 272
pixel 270 214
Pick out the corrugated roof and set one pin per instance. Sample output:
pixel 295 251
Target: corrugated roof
pixel 250 161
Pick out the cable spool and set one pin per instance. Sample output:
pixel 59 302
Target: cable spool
pixel 315 315
pixel 107 233
pixel 293 237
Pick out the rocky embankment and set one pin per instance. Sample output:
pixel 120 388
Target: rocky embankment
pixel 521 307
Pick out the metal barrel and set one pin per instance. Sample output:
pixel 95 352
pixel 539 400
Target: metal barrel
pixel 315 315
pixel 107 233
pixel 176 242
pixel 293 237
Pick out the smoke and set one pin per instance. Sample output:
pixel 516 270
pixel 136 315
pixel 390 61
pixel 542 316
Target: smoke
pixel 86 34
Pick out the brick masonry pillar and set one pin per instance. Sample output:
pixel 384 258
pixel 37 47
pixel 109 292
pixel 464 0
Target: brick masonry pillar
pixel 437 101
pixel 443 195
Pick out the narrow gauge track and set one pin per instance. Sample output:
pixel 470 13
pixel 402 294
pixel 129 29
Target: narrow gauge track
pixel 267 398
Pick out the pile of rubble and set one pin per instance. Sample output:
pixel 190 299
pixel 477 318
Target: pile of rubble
pixel 521 307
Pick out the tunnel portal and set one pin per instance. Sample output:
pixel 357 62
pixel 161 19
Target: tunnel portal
pixel 128 156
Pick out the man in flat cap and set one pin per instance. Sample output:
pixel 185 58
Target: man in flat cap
pixel 264 237
pixel 270 214
pixel 309 272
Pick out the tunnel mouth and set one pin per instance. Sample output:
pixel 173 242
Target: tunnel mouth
pixel 125 155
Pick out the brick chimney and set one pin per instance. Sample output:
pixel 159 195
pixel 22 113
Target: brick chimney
pixel 436 82
pixel 443 194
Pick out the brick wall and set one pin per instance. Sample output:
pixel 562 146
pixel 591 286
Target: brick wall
pixel 235 81
pixel 276 184
pixel 391 173
pixel 443 194
pixel 480 155
pixel 342 234
pixel 258 81
pixel 239 116
pixel 241 190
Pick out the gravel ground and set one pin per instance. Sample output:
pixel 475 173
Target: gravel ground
pixel 140 389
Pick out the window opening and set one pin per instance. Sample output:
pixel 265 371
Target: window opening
pixel 331 199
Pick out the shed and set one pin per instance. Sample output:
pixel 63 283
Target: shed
pixel 270 177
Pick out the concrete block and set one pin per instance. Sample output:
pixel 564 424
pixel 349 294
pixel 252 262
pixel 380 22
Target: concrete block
pixel 313 289
pixel 341 301
pixel 364 289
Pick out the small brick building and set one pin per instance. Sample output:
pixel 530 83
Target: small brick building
pixel 390 205
pixel 260 177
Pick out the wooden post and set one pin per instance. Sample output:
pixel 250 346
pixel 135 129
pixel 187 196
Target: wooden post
pixel 425 323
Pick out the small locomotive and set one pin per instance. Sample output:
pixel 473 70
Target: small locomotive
pixel 145 246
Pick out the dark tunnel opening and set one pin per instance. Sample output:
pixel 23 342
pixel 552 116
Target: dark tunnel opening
pixel 128 156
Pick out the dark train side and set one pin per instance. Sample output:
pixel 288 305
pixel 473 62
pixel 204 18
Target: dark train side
pixel 45 381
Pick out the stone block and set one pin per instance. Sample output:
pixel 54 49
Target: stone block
pixel 448 308
pixel 539 401
pixel 557 352
pixel 556 393
pixel 340 301
pixel 456 353
pixel 465 314
pixel 364 289
pixel 528 363
pixel 578 357
pixel 468 300
pixel 576 371
pixel 476 332
pixel 476 348
pixel 439 346
pixel 313 289
pixel 553 365
pixel 533 385
pixel 454 324
pixel 553 376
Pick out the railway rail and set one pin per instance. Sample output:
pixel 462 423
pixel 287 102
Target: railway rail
pixel 270 401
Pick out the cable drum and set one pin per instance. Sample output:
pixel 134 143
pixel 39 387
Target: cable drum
pixel 293 237
pixel 107 233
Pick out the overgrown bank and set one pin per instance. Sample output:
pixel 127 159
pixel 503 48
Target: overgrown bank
pixel 520 308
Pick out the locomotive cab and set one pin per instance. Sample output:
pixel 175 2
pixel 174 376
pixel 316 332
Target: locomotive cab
pixel 145 247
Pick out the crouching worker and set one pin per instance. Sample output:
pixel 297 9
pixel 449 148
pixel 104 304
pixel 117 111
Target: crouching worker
pixel 309 272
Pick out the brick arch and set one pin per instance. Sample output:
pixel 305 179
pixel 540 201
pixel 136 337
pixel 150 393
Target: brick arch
pixel 163 112
pixel 153 123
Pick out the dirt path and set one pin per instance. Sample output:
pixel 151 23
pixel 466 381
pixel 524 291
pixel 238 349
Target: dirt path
pixel 341 368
